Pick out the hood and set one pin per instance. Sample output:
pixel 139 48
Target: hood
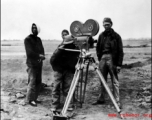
pixel 38 28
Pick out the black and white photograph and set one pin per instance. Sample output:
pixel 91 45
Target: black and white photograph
pixel 76 60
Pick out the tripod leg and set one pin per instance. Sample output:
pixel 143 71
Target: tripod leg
pixel 85 84
pixel 105 85
pixel 81 80
pixel 71 85
pixel 108 90
pixel 77 90
pixel 71 91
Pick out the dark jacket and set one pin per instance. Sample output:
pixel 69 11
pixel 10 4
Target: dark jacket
pixel 116 46
pixel 33 47
pixel 62 60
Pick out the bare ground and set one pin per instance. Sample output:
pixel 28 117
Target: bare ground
pixel 135 91
pixel 132 82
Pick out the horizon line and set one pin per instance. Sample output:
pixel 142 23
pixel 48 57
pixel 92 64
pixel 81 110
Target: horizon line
pixel 146 38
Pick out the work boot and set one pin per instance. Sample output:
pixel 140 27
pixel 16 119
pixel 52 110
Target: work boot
pixel 70 108
pixel 25 102
pixel 38 101
pixel 33 103
pixel 55 107
pixel 98 102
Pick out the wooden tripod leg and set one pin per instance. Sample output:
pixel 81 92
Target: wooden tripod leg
pixel 85 83
pixel 70 93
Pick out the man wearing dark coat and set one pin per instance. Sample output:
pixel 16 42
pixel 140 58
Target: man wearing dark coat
pixel 63 63
pixel 35 56
pixel 110 54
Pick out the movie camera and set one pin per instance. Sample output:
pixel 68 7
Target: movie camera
pixel 82 37
pixel 83 33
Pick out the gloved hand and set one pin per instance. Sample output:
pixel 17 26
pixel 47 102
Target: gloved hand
pixel 118 69
pixel 42 57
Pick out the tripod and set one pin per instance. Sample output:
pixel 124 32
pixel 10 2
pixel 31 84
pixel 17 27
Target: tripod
pixel 79 70
pixel 82 61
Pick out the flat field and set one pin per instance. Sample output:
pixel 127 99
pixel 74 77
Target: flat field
pixel 135 79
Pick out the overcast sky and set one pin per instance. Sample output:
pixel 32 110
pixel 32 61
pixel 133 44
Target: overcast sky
pixel 131 18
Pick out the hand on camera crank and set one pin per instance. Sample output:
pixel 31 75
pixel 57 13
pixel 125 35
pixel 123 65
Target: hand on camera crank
pixel 42 57
pixel 118 69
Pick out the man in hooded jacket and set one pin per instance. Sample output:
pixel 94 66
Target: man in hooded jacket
pixel 35 56
pixel 110 55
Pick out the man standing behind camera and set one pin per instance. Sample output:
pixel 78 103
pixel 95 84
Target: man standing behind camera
pixel 63 63
pixel 110 54
pixel 35 56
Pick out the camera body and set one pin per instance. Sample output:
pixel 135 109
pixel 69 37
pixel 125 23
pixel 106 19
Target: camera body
pixel 83 33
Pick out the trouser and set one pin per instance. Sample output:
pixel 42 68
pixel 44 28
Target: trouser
pixel 34 83
pixel 64 79
pixel 106 66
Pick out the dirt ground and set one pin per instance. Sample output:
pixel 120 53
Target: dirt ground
pixel 135 90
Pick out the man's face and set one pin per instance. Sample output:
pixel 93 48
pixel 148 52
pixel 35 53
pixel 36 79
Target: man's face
pixel 64 34
pixel 34 30
pixel 107 26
